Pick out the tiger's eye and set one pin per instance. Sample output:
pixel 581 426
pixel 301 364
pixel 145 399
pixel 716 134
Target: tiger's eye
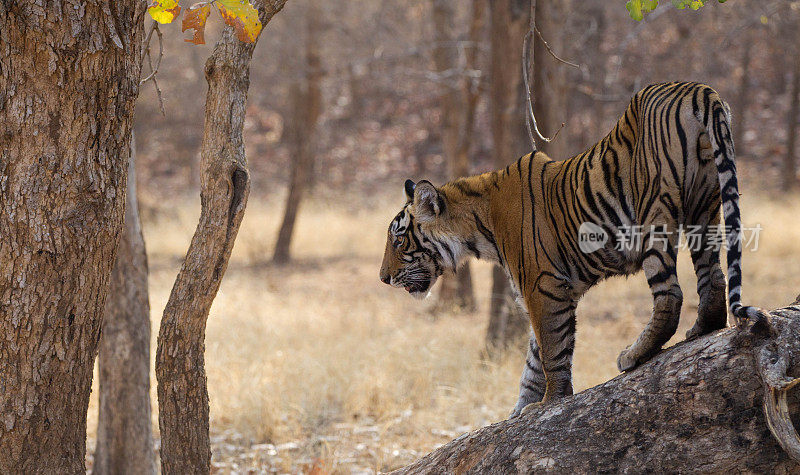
pixel 398 241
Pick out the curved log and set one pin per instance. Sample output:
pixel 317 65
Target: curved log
pixel 717 403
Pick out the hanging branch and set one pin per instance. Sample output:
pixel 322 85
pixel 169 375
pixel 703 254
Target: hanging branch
pixel 550 50
pixel 527 67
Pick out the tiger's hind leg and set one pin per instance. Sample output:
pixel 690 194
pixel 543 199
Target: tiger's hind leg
pixel 712 312
pixel 659 268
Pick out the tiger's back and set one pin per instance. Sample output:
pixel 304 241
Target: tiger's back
pixel 655 168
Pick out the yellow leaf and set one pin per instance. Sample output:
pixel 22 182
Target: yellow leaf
pixel 242 16
pixel 195 19
pixel 764 20
pixel 164 11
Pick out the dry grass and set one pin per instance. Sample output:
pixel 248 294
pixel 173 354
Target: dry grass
pixel 318 363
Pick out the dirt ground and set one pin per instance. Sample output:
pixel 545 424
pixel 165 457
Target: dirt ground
pixel 319 367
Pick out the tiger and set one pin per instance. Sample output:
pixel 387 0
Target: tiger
pixel 667 164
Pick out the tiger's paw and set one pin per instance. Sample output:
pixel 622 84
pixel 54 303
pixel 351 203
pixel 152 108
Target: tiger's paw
pixel 521 406
pixel 627 361
pixel 695 332
pixel 531 407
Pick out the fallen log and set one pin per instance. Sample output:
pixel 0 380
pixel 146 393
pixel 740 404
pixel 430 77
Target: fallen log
pixel 713 404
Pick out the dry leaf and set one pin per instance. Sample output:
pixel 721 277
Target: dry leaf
pixel 164 11
pixel 242 16
pixel 195 19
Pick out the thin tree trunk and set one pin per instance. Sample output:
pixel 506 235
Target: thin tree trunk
pixel 598 69
pixel 299 177
pixel 789 160
pixel 124 435
pixel 445 58
pixel 550 84
pixel 508 323
pixel 509 21
pixel 225 185
pixel 68 83
pixel 716 404
pixel 742 98
pixel 459 100
pixel 470 90
pixel 307 108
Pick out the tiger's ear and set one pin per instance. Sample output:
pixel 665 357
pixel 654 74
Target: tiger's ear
pixel 409 187
pixel 428 202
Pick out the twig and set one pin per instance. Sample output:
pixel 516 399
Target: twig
pixel 153 68
pixel 146 43
pixel 549 50
pixel 160 99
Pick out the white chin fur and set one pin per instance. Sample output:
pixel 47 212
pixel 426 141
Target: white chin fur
pixel 421 295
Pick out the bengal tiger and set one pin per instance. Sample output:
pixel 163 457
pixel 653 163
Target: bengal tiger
pixel 667 163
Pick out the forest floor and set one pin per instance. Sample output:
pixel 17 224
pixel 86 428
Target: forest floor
pixel 318 367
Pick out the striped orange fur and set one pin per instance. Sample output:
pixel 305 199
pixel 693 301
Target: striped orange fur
pixel 668 163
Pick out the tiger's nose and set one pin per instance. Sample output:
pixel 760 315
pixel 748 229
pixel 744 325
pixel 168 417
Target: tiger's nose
pixel 386 279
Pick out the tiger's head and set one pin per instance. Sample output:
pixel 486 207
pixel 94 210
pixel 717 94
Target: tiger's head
pixel 417 247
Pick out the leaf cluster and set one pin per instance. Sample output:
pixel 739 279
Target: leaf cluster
pixel 639 8
pixel 240 14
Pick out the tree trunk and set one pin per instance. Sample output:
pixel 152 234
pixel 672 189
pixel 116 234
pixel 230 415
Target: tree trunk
pixel 458 99
pixel 789 160
pixel 700 406
pixel 69 78
pixel 597 68
pixel 124 435
pixel 306 109
pixel 549 76
pixel 742 98
pixel 509 22
pixel 225 185
pixel 508 323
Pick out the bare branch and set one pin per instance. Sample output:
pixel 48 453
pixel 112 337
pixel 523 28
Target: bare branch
pixel 530 118
pixel 549 50
pixel 153 68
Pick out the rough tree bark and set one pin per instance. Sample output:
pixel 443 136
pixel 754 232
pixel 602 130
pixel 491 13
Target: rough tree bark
pixel 225 185
pixel 306 102
pixel 124 435
pixel 508 24
pixel 707 406
pixel 458 100
pixel 69 78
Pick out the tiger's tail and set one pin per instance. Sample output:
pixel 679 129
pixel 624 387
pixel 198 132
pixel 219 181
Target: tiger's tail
pixel 717 124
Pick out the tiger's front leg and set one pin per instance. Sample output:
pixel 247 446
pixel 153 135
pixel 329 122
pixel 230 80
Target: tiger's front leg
pixel 532 382
pixel 552 312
